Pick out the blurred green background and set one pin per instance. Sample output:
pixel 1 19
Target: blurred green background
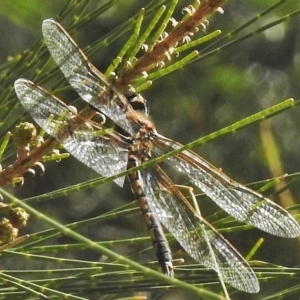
pixel 197 100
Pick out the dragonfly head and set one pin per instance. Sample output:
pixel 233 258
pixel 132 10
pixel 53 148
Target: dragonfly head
pixel 138 102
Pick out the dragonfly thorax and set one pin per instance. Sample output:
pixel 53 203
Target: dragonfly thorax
pixel 142 143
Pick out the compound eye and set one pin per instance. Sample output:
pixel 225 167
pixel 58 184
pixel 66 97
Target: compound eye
pixel 137 102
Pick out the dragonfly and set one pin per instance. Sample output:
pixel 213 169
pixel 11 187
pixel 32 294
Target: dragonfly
pixel 136 142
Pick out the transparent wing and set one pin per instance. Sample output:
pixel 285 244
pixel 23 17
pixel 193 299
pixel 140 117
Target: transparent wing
pixel 203 243
pixel 89 83
pixel 98 152
pixel 237 200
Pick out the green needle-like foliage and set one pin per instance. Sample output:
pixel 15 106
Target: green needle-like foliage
pixel 226 88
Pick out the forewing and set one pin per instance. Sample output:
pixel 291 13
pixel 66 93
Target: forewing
pixel 237 200
pixel 96 151
pixel 202 243
pixel 89 83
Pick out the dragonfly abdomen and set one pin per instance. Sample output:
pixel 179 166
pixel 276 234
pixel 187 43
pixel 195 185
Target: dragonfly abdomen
pixel 159 241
